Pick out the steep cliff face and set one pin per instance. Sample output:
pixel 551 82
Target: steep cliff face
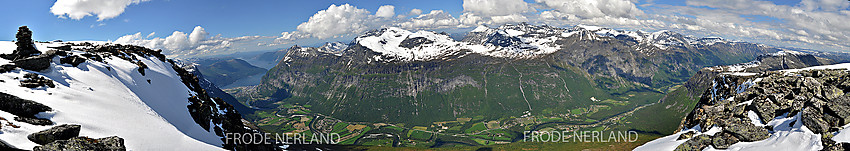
pixel 399 76
pixel 793 109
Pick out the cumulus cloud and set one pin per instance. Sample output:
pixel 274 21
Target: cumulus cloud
pixel 336 21
pixel 495 12
pixel 594 9
pixel 386 11
pixel 415 12
pixel 496 7
pixel 436 19
pixel 104 9
pixel 180 44
pixel 807 23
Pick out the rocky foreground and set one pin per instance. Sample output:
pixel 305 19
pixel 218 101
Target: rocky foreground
pixel 785 110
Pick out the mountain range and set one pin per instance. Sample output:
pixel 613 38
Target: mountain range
pixel 518 77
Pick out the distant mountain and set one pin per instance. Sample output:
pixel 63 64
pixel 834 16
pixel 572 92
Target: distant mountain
pixel 398 76
pixel 225 71
pixel 270 59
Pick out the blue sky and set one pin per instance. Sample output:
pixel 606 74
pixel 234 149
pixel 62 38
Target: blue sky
pixel 253 25
pixel 227 17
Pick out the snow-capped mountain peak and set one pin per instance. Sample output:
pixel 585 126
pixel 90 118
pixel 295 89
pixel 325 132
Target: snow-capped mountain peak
pixel 403 45
pixel 521 40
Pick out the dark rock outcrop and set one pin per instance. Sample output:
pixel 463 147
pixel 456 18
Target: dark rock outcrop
pixel 21 107
pixel 36 63
pixel 26 47
pixel 686 135
pixel 414 42
pixel 61 132
pixel 6 68
pixel 112 143
pixel 744 130
pixel 32 80
pixel 34 121
pixel 72 60
pixel 26 56
pixel 723 140
pixel 697 143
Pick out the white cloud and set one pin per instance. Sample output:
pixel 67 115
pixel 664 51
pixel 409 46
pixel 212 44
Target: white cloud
pixel 180 44
pixel 436 19
pixel 496 7
pixel 809 23
pixel 415 12
pixel 495 12
pixel 386 11
pixel 104 9
pixel 593 8
pixel 198 34
pixel 336 21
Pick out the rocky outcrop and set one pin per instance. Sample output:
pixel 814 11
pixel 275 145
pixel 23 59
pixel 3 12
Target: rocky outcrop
pixel 6 68
pixel 112 143
pixel 699 84
pixel 34 121
pixel 26 56
pixel 72 60
pixel 206 110
pixel 36 63
pixel 723 140
pixel 61 132
pixel 697 143
pixel 26 47
pixel 744 130
pixel 32 80
pixel 21 107
pixel 737 102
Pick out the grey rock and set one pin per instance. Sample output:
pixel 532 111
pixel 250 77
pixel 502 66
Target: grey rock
pixel 32 80
pixel 73 60
pixel 813 119
pixel 697 143
pixel 112 143
pixel 36 63
pixel 414 42
pixel 839 107
pixel 686 135
pixel 723 140
pixel 765 109
pixel 21 107
pixel 61 132
pixel 34 121
pixel 744 130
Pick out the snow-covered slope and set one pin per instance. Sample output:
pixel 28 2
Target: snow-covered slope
pixel 111 98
